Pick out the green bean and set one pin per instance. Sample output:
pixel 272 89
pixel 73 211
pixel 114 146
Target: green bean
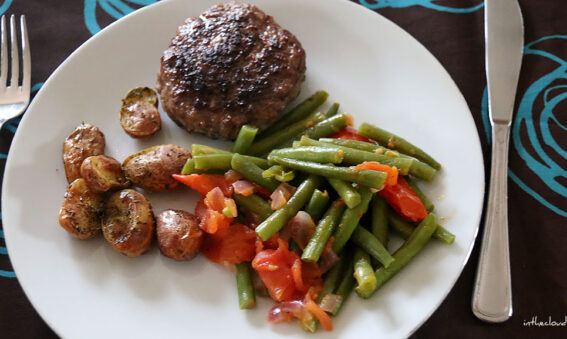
pixel 212 161
pixel 246 295
pixel 405 229
pixel 345 191
pixel 332 110
pixel 373 179
pixel 287 134
pixel 399 225
pixel 417 168
pixel 317 204
pixel 363 273
pixel 393 141
pixel 198 149
pixel 244 139
pixel 345 287
pixel 352 156
pixel 211 154
pixel 308 325
pixel 409 249
pixel 252 172
pixel 372 246
pixel 443 234
pixel 309 153
pixel 357 144
pixel 280 217
pixel 424 199
pixel 327 127
pixel 299 112
pixel 350 220
pixel 189 167
pixel 332 279
pixel 279 173
pixel 325 227
pixel 379 209
pixel 255 204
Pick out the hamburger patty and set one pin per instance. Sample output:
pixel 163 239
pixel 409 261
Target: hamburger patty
pixel 232 65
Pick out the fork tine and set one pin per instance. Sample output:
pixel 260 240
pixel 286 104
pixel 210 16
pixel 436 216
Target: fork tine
pixel 14 47
pixel 4 53
pixel 26 57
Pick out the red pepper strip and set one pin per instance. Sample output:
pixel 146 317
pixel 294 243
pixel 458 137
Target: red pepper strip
pixel 404 200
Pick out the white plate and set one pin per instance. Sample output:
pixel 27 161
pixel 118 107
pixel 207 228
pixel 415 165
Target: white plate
pixel 373 68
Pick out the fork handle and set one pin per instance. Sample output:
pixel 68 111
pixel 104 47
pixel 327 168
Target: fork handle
pixel 492 296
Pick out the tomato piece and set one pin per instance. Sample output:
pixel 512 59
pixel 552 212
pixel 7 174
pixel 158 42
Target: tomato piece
pixel 318 312
pixel 210 220
pixel 298 275
pixel 234 244
pixel 203 183
pixel 275 270
pixel 404 200
pixel 392 172
pixel 214 199
pixel 350 133
pixel 311 274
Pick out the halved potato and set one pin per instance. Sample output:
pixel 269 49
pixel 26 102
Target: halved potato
pixel 178 233
pixel 128 223
pixel 80 213
pixel 103 173
pixel 86 140
pixel 151 169
pixel 139 116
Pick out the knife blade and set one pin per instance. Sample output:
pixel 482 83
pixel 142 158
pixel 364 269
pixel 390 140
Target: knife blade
pixel 504 35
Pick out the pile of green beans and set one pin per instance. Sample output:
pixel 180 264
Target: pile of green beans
pixel 299 150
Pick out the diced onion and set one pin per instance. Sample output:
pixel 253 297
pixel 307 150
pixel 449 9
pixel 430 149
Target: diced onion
pixel 330 302
pixel 243 187
pixel 328 259
pixel 287 310
pixel 302 228
pixel 214 200
pixel 232 175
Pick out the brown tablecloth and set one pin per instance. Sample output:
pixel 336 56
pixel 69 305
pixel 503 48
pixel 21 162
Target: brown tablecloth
pixel 453 32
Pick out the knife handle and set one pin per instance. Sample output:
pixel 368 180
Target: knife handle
pixel 492 296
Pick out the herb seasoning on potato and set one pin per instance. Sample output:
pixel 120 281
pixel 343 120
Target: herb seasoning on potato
pixel 128 223
pixel 103 173
pixel 81 210
pixel 86 140
pixel 152 168
pixel 139 115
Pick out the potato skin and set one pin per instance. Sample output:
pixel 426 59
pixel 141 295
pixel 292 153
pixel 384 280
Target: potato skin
pixel 178 233
pixel 103 173
pixel 151 169
pixel 80 213
pixel 139 115
pixel 86 140
pixel 128 222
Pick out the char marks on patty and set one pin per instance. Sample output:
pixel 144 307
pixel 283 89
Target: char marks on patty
pixel 232 65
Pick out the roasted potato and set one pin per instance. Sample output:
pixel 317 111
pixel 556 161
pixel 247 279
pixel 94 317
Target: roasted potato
pixel 80 213
pixel 86 140
pixel 103 173
pixel 139 115
pixel 178 234
pixel 151 169
pixel 128 223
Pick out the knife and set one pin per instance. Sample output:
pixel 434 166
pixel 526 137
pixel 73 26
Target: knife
pixel 504 35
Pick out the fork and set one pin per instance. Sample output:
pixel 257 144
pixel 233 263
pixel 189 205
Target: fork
pixel 14 99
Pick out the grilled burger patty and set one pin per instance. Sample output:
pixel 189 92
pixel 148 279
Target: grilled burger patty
pixel 232 65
